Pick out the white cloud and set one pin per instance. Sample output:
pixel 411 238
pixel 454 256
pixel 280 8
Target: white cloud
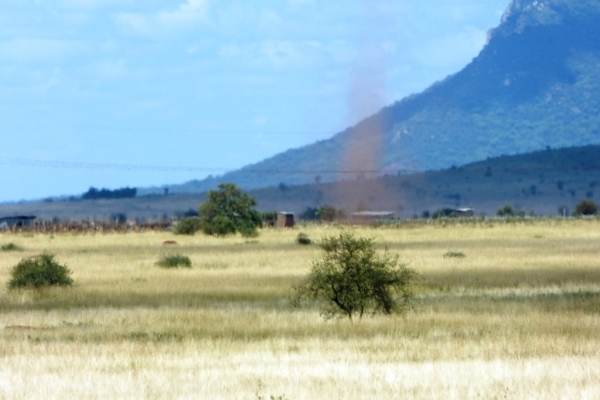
pixel 166 22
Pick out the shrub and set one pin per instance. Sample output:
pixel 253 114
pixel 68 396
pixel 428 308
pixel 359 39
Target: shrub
pixel 175 261
pixel 187 226
pixel 303 239
pixel 585 207
pixel 39 271
pixel 10 247
pixel 351 278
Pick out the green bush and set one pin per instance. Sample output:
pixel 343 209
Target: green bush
pixel 175 261
pixel 10 247
pixel 351 278
pixel 187 226
pixel 39 271
pixel 303 239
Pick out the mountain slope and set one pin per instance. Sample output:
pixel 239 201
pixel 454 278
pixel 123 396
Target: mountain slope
pixel 536 84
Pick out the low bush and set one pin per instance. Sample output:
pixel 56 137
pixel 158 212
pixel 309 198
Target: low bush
pixel 187 226
pixel 10 247
pixel 175 261
pixel 303 239
pixel 454 254
pixel 39 271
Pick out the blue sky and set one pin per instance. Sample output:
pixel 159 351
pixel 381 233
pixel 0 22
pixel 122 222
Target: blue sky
pixel 113 93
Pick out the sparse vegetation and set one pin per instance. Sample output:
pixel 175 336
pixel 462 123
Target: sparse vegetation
pixel 175 261
pixel 230 318
pixel 39 271
pixel 352 279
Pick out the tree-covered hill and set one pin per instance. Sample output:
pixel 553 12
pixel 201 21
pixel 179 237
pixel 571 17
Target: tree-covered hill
pixel 535 84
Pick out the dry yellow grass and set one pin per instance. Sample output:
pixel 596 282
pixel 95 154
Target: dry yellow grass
pixel 517 317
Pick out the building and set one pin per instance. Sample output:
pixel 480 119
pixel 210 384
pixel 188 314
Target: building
pixel 370 216
pixel 20 220
pixel 285 220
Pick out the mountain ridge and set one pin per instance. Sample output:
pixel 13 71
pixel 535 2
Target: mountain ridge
pixel 536 83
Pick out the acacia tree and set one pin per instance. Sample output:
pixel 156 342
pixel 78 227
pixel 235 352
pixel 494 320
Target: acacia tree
pixel 229 210
pixel 352 278
pixel 585 207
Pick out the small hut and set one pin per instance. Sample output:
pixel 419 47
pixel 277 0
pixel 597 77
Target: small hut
pixel 285 220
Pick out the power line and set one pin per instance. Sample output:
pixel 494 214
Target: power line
pixel 25 162
pixel 157 168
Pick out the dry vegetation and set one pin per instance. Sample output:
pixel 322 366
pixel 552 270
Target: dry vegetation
pixel 517 317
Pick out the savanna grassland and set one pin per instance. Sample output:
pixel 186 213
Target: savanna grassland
pixel 517 317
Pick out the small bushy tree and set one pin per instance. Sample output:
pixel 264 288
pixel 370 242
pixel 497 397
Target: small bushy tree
pixel 352 278
pixel 229 210
pixel 39 271
pixel 585 207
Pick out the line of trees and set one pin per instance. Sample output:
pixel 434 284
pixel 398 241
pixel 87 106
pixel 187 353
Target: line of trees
pixel 95 194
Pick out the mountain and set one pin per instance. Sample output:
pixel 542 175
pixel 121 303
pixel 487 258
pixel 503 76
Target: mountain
pixel 535 84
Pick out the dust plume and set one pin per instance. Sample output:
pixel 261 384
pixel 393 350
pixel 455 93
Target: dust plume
pixel 367 95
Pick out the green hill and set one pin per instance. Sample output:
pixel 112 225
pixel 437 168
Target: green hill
pixel 535 84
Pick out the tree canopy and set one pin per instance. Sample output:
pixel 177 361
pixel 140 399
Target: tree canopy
pixel 229 210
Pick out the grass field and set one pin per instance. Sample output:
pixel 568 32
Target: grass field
pixel 517 317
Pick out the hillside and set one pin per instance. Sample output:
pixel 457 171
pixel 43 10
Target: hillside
pixel 535 84
pixel 540 182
